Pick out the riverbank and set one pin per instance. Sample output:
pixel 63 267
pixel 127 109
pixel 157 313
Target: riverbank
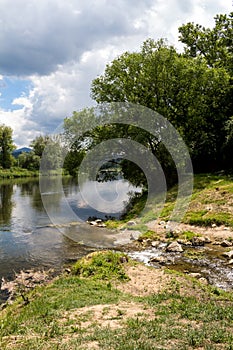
pixel 109 301
pixel 15 172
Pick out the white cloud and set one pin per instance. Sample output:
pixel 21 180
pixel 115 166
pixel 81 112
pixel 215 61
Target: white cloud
pixel 61 46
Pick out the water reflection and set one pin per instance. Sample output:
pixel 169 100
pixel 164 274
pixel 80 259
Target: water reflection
pixel 6 203
pixel 26 236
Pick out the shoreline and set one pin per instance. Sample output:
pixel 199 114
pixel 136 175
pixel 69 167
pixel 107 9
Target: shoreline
pixel 28 279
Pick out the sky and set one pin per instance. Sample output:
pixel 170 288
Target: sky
pixel 51 50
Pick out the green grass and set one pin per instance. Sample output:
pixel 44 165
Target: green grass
pixel 101 266
pixel 211 203
pixel 16 172
pixel 184 315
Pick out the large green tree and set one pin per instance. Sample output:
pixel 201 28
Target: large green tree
pixel 188 92
pixel 215 47
pixel 6 147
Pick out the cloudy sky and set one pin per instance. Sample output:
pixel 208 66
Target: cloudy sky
pixel 51 50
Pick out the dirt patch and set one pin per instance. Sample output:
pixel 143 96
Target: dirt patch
pixel 107 315
pixel 144 280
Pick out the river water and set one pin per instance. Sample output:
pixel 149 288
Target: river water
pixel 28 236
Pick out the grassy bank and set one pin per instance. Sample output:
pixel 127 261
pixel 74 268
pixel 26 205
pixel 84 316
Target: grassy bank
pixel 108 302
pixel 16 172
pixel 211 203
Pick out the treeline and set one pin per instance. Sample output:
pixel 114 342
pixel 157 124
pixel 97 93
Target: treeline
pixel 193 90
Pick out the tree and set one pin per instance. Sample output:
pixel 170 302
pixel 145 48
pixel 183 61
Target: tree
pixel 48 149
pixel 215 45
pixel 188 92
pixel 29 161
pixel 6 146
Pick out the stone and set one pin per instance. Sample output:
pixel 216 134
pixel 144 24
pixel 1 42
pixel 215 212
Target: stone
pixel 184 242
pixel 195 275
pixel 93 223
pixel 203 280
pixel 131 223
pixel 213 225
pixel 228 255
pixel 230 262
pixel 155 244
pixel 198 241
pixel 208 240
pixel 226 243
pixel 216 243
pixel 174 247
pixel 162 223
pixel 158 259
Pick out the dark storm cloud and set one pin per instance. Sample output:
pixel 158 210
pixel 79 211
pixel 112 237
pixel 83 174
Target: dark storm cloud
pixel 37 36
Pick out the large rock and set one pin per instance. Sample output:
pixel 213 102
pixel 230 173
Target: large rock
pixel 198 241
pixel 228 255
pixel 158 259
pixel 226 243
pixel 174 247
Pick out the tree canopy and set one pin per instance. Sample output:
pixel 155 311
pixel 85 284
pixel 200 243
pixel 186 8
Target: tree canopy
pixel 193 90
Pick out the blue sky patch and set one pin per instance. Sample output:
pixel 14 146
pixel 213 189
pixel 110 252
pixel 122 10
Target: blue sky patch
pixel 11 88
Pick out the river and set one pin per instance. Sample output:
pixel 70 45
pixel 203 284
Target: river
pixel 27 236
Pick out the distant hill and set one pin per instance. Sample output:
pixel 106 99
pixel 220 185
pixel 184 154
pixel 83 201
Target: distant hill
pixel 18 151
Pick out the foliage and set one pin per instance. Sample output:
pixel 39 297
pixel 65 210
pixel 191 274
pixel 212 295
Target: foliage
pixel 29 160
pixel 47 151
pixel 214 45
pixel 101 265
pixel 15 172
pixel 6 147
pixel 188 92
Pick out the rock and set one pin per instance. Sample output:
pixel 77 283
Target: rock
pixel 228 255
pixel 226 243
pixel 195 275
pixel 131 223
pixel 174 247
pixel 124 259
pixel 93 223
pixel 213 225
pixel 198 241
pixel 216 243
pixel 155 244
pixel 230 262
pixel 184 242
pixel 158 259
pixel 97 223
pixel 162 223
pixel 203 280
pixel 208 240
pixel 101 225
pixel 226 228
